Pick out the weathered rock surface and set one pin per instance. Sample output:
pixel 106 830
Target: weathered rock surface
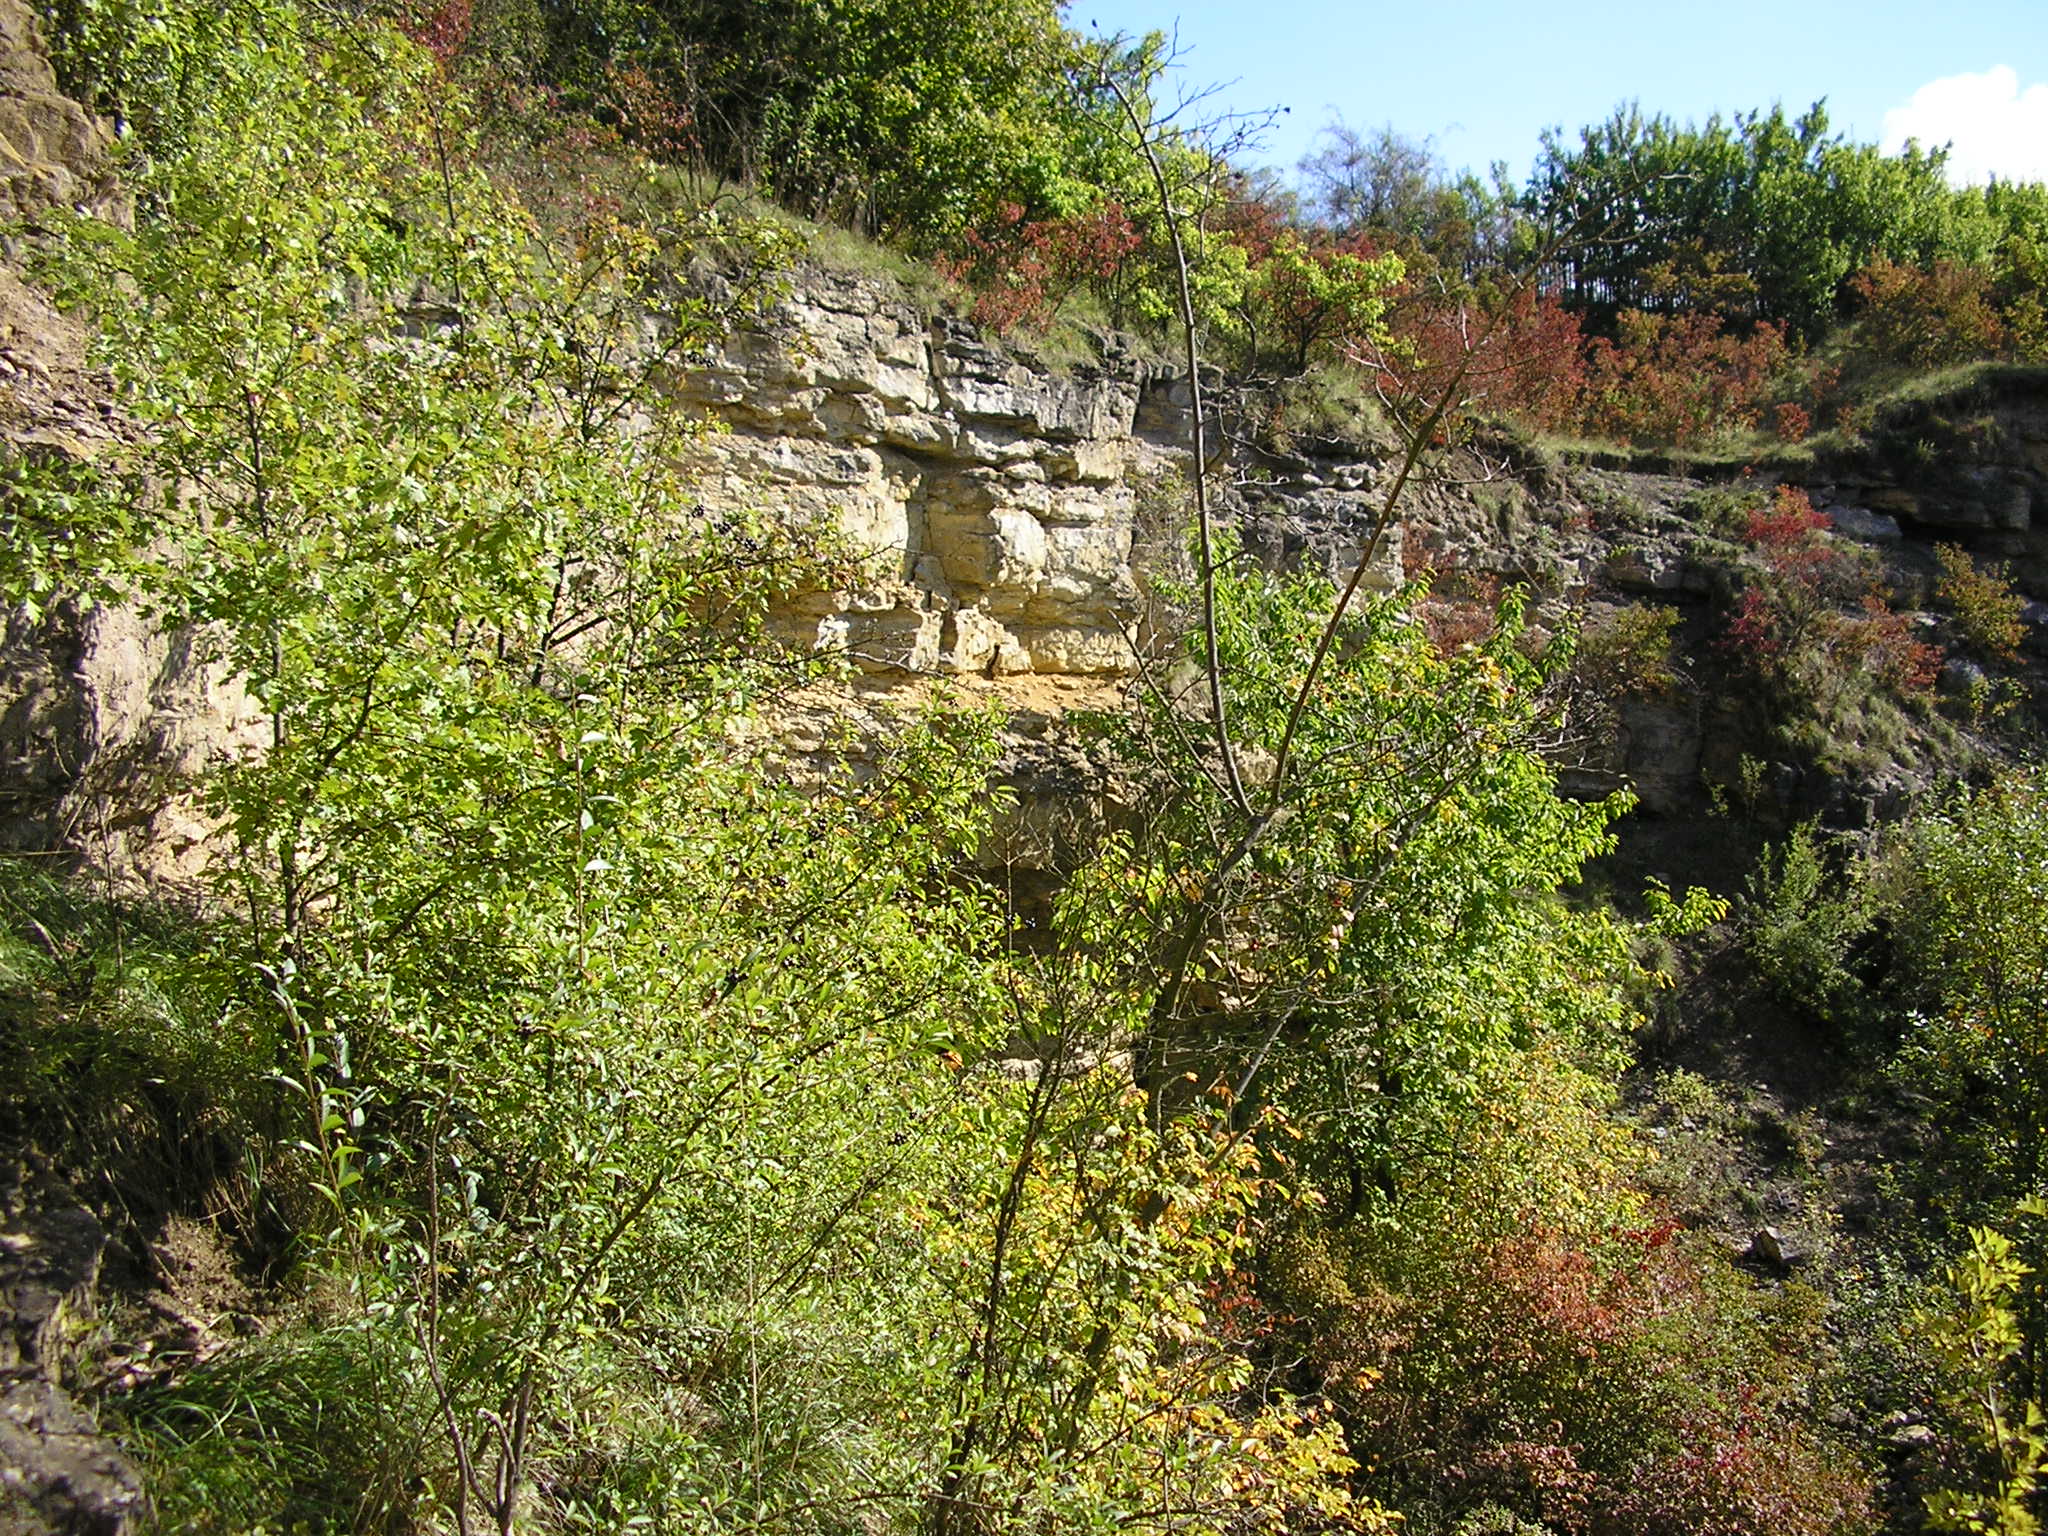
pixel 54 151
pixel 989 499
pixel 1008 517
pixel 1970 467
pixel 59 1476
pixel 1001 504
pixel 106 723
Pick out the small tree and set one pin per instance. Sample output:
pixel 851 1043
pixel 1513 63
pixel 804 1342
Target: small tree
pixel 1972 919
pixel 1321 301
pixel 1986 609
pixel 1980 1337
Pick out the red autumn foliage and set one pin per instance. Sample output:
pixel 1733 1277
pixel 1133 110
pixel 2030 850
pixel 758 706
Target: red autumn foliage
pixel 1621 1393
pixel 1452 626
pixel 1803 576
pixel 1807 571
pixel 1462 609
pixel 442 29
pixel 1680 378
pixel 1825 397
pixel 1022 270
pixel 1535 369
pixel 1883 642
pixel 648 115
pixel 1255 222
pixel 1787 526
pixel 1790 621
pixel 1239 1315
pixel 1753 630
pixel 1740 1473
pixel 1519 356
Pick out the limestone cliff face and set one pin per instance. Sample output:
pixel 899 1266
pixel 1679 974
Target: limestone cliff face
pixel 1002 503
pixel 1968 466
pixel 107 723
pixel 52 151
pixel 105 720
pixel 991 499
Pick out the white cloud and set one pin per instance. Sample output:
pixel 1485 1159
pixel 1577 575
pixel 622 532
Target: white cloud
pixel 1993 127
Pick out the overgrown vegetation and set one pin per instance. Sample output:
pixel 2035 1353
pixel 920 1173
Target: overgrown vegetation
pixel 635 1141
pixel 1741 281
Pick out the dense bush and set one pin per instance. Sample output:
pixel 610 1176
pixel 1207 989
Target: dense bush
pixel 1534 1339
pixel 1791 209
pixel 1023 270
pixel 1810 621
pixel 638 1122
pixel 639 1127
pixel 1985 607
pixel 911 118
pixel 1318 302
pixel 1907 317
pixel 1970 928
pixel 1680 379
pixel 642 1142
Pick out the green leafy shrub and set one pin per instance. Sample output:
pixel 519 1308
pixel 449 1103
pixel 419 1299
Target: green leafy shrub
pixel 1979 1336
pixel 152 65
pixel 1801 924
pixel 1628 651
pixel 1970 914
pixel 1322 301
pixel 1398 925
pixel 639 1121
pixel 1916 318
pixel 1538 1340
pixel 1680 379
pixel 1983 603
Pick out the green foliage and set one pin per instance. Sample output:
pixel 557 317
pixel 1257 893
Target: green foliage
pixel 518 1004
pixel 104 1047
pixel 1800 926
pixel 1963 892
pixel 1393 930
pixel 1627 652
pixel 649 1143
pixel 2020 268
pixel 61 534
pixel 1321 303
pixel 1980 1336
pixel 1536 1338
pixel 915 119
pixel 1972 914
pixel 154 64
pixel 1792 209
pixel 313 1430
pixel 638 1121
pixel 1096 1366
pixel 1983 603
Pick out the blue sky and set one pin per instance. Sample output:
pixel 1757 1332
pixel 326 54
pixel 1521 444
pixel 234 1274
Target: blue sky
pixel 1484 77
